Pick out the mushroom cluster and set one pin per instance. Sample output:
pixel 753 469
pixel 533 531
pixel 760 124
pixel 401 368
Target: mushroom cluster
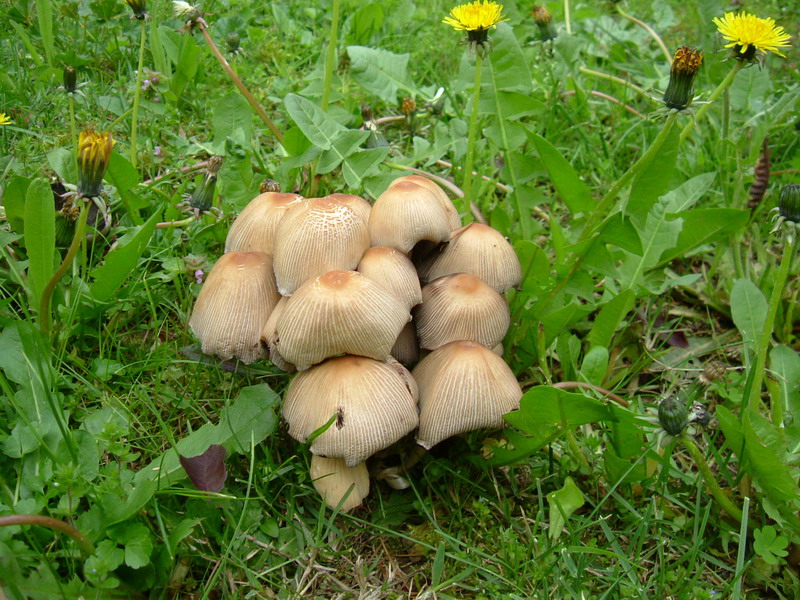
pixel 352 295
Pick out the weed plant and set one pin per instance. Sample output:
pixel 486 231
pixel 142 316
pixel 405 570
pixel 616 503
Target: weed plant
pixel 651 272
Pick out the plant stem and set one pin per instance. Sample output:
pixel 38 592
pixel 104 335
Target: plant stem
pixel 45 323
pixel 717 493
pixel 567 20
pixel 136 93
pixel 649 30
pixel 330 56
pixel 238 83
pixel 619 80
pixel 471 134
pixel 724 84
pixel 769 323
pixel 73 130
pixel 83 542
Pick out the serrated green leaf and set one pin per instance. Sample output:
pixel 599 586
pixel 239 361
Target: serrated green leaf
pixel 748 310
pixel 609 318
pixel 654 179
pixel 361 164
pixel 573 192
pixel 318 127
pixel 346 142
pixel 381 72
pixel 703 226
pixel 40 236
pixel 770 473
pixel 232 112
pixel 125 178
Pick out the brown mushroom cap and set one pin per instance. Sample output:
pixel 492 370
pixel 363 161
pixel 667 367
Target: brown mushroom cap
pixel 407 213
pixel 371 401
pixel 234 304
pixel 269 337
pixel 480 251
pixel 357 203
pixel 393 271
pixel 463 386
pixel 444 199
pixel 341 312
pixel 254 228
pixel 461 307
pixel 335 481
pixel 316 236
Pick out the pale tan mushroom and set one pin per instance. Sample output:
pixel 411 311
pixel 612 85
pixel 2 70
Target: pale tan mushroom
pixel 254 228
pixel 357 203
pixel 393 271
pixel 407 213
pixel 339 485
pixel 316 236
pixel 341 312
pixel 461 307
pixel 480 251
pixel 372 405
pixel 406 347
pixel 269 336
pixel 234 304
pixel 463 386
pixel 444 199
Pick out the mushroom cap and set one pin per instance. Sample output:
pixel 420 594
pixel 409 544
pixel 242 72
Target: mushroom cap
pixel 406 347
pixel 341 312
pixel 463 386
pixel 481 251
pixel 452 212
pixel 254 228
pixel 461 307
pixel 269 337
pixel 335 481
pixel 234 304
pixel 407 213
pixel 357 203
pixel 374 405
pixel 315 236
pixel 393 271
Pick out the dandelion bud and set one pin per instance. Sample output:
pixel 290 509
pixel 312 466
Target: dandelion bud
pixel 542 18
pixel 185 11
pixel 409 107
pixel 672 415
pixel 139 8
pixel 685 65
pixel 94 154
pixel 789 203
pixel 70 79
pixel 203 196
pixel 713 371
pixel 232 41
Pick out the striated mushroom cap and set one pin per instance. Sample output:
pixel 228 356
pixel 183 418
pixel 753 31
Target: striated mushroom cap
pixel 234 304
pixel 357 203
pixel 254 228
pixel 461 307
pixel 374 405
pixel 407 213
pixel 394 272
pixel 269 337
pixel 335 482
pixel 316 236
pixel 480 251
pixel 463 386
pixel 441 195
pixel 406 347
pixel 341 312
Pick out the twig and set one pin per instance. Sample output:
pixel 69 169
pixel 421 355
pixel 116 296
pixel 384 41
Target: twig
pixel 202 164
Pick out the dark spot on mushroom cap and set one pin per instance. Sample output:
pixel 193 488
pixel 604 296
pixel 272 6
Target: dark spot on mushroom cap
pixel 340 418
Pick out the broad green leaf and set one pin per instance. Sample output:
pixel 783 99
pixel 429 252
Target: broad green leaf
pixel 121 261
pixel 609 318
pixel 748 310
pixel 508 63
pixel 769 545
pixel 543 406
pixel 556 321
pixel 703 226
pixel 563 503
pixel 186 67
pixel 318 127
pixel 620 232
pixel 732 428
pixel 125 178
pixel 686 195
pixel 769 471
pixel 381 72
pixel 40 236
pixel 654 179
pixel 535 266
pixel 366 22
pixel 14 202
pixel 572 191
pixel 346 142
pixel 361 164
pixel 232 112
pixel 785 366
pixel 595 365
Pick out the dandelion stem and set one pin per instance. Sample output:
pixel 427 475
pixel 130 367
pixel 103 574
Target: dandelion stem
pixel 620 80
pixel 649 30
pixel 238 83
pixel 769 324
pixel 724 84
pixel 472 133
pixel 567 19
pixel 73 130
pixel 136 93
pixel 330 56
pixel 45 323
pixel 717 492
pixel 83 542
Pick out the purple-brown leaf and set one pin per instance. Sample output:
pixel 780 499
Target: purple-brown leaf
pixel 207 470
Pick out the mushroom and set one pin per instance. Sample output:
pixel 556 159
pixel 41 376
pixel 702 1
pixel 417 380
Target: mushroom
pixel 461 307
pixel 463 386
pixel 406 347
pixel 371 404
pixel 393 271
pixel 441 195
pixel 254 228
pixel 316 236
pixel 339 485
pixel 269 336
pixel 357 203
pixel 341 312
pixel 234 304
pixel 407 213
pixel 480 251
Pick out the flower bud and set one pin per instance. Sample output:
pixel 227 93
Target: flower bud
pixel 139 8
pixel 789 203
pixel 94 154
pixel 685 65
pixel 672 415
pixel 70 79
pixel 543 20
pixel 203 196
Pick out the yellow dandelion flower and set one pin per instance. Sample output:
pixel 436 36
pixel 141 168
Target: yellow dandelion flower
pixel 476 19
pixel 5 119
pixel 94 154
pixel 748 33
